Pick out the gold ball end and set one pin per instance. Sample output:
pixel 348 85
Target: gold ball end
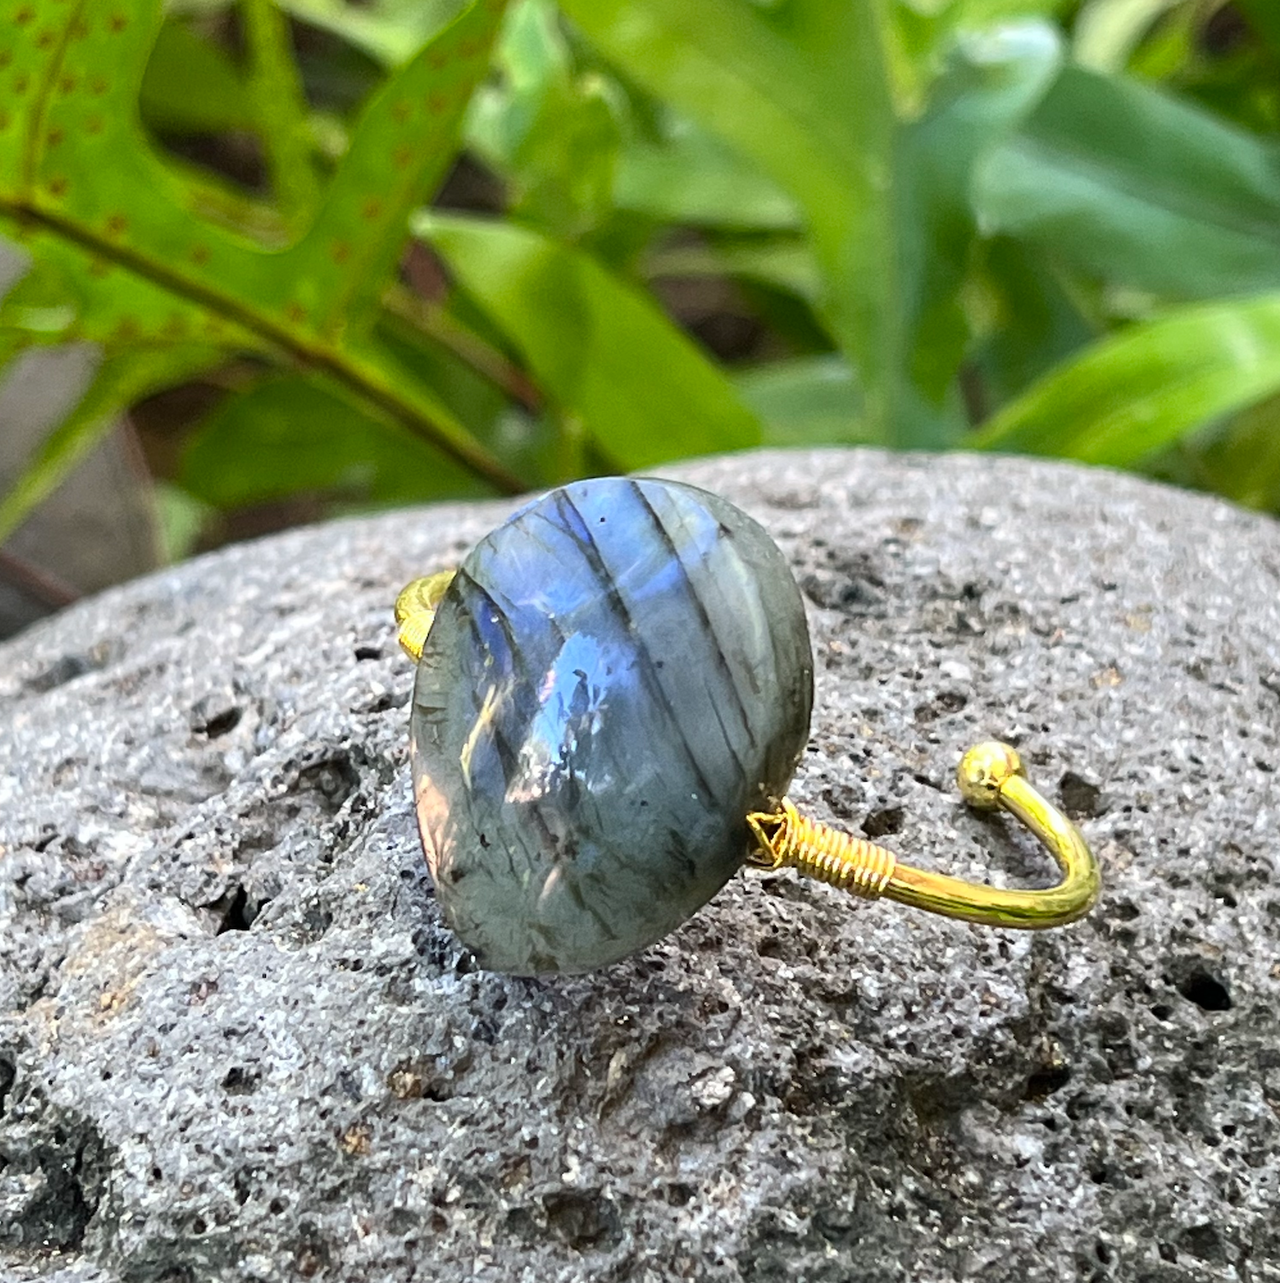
pixel 983 772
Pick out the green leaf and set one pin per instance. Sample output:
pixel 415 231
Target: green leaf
pixel 1035 325
pixel 692 178
pixel 552 134
pixel 402 146
pixel 992 82
pixel 391 31
pixel 1264 17
pixel 801 90
pixel 291 434
pixel 1148 386
pixel 1242 462
pixel 280 108
pixel 119 380
pixel 603 350
pixel 1134 187
pixel 191 86
pixel 785 263
pixel 100 212
pixel 1108 31
pixel 805 401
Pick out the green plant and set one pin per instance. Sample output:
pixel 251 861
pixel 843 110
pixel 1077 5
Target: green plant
pixel 1050 227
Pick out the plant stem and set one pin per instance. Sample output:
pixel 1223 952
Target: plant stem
pixel 433 423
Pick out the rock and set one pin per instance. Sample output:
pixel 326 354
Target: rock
pixel 237 1043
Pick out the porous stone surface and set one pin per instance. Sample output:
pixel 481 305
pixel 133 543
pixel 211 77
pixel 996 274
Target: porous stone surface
pixel 237 1042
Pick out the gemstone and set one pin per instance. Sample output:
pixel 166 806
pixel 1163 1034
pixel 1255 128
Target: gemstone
pixel 615 677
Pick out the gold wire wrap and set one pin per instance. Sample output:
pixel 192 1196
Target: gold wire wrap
pixel 990 776
pixel 416 611
pixel 818 851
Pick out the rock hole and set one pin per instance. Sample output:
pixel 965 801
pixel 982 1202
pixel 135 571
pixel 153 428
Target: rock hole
pixel 239 1081
pixel 368 652
pixel 236 912
pixel 222 722
pixel 1046 1080
pixel 1205 990
pixel 334 779
pixel 8 1072
pixel 1205 1242
pixel 60 672
pixel 582 1220
pixel 888 819
pixel 1080 799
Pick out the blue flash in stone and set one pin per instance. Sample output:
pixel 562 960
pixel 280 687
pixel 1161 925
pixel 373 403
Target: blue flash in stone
pixel 614 679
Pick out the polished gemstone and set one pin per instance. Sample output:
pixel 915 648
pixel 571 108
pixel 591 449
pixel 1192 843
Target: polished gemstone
pixel 614 678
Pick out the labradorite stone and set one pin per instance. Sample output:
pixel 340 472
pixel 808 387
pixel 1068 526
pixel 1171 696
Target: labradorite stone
pixel 616 676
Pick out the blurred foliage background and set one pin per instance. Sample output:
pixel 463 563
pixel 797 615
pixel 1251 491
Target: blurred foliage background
pixel 262 263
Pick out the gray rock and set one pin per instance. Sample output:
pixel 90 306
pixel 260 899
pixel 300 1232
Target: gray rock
pixel 238 1044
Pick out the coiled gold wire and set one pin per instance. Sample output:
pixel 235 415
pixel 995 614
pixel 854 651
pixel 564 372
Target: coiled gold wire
pixel 791 840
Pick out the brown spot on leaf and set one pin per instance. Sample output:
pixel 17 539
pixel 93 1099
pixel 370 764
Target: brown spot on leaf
pixel 436 103
pixel 437 58
pixel 93 125
pixel 200 254
pixel 24 15
pixel 341 251
pixel 296 312
pixel 117 225
pixel 21 84
pixel 402 110
pixel 117 22
pixel 98 86
pixel 46 39
pixel 67 85
pixel 53 137
pixel 401 157
pixel 371 209
pixel 58 186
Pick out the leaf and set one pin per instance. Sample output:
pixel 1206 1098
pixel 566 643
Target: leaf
pixel 693 179
pixel 1264 17
pixel 801 90
pixel 1134 187
pixel 120 379
pixel 785 263
pixel 391 31
pixel 280 109
pixel 805 401
pixel 291 434
pixel 1141 389
pixel 191 86
pixel 552 134
pixel 400 149
pixel 124 234
pixel 1108 31
pixel 992 81
pixel 641 389
pixel 1036 325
